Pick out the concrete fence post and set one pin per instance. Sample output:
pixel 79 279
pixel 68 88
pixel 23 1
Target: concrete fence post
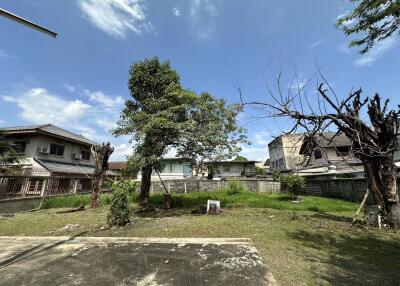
pixel 169 187
pixel 44 188
pixel 185 187
pixel 75 189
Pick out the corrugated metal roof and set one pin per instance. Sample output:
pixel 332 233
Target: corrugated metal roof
pixel 50 128
pixel 69 168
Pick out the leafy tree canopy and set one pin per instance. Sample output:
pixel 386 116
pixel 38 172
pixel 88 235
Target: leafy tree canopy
pixel 240 158
pixel 376 19
pixel 162 115
pixel 7 150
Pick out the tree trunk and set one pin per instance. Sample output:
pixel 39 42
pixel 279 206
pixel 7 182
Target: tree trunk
pixel 96 182
pixel 145 187
pixel 381 177
pixel 391 196
pixel 100 153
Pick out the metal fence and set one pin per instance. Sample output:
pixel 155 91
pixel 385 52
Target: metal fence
pixel 27 186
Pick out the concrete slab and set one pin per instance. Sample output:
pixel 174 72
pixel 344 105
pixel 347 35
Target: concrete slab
pixel 129 261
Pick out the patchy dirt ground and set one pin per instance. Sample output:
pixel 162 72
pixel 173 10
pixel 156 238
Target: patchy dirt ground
pixel 129 261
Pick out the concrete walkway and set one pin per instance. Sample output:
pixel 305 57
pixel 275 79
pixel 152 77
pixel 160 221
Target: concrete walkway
pixel 129 261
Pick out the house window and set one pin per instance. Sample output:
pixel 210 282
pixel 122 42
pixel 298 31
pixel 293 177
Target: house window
pixel 342 150
pixel 281 163
pixel 170 167
pixel 56 149
pixel 19 147
pixel 85 155
pixel 317 154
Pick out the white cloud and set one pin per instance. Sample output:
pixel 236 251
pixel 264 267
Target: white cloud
pixel 105 123
pixel 108 101
pixel 39 106
pixel 345 14
pixel 70 88
pixel 4 54
pixel 117 17
pixel 377 52
pixel 177 12
pixel 257 153
pixel 91 117
pixel 203 14
pixel 316 43
pixel 122 150
pixel 258 150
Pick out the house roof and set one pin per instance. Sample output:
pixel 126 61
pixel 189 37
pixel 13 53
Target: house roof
pixel 324 140
pixel 69 168
pixel 50 130
pixel 117 165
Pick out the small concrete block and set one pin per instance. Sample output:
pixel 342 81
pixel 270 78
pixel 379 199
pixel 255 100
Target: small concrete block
pixel 213 207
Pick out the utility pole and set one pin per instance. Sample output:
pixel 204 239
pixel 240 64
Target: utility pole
pixel 27 23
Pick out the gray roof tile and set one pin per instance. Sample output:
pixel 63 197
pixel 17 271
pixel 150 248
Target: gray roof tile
pixel 50 128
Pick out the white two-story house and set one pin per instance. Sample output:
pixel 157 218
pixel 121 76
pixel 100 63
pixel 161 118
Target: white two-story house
pixel 52 152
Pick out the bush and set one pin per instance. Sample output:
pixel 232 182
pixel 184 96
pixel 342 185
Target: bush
pixel 119 210
pixel 276 175
pixel 294 184
pixel 234 187
pixel 128 185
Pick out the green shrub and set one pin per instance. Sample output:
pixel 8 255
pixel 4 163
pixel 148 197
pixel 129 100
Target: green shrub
pixel 294 184
pixel 234 187
pixel 120 212
pixel 128 185
pixel 276 175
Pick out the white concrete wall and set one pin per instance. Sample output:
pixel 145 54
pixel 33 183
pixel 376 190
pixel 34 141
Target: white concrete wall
pixel 173 169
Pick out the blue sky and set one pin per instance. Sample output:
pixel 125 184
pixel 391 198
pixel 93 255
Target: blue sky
pixel 78 81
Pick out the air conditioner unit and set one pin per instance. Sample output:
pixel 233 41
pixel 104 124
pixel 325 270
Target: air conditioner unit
pixel 43 150
pixel 77 156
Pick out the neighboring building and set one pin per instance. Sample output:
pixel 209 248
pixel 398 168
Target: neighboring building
pixel 171 169
pixel 229 169
pixel 120 167
pixel 47 150
pixel 329 149
pixel 284 152
pixel 397 153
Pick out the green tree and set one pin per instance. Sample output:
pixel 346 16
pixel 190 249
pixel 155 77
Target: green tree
pixel 376 19
pixel 7 150
pixel 240 158
pixel 162 115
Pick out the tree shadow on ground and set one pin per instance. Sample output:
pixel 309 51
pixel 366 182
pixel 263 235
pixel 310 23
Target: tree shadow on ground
pixel 161 212
pixel 35 250
pixel 328 216
pixel 354 259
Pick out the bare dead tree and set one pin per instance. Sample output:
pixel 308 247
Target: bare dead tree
pixel 101 154
pixel 374 141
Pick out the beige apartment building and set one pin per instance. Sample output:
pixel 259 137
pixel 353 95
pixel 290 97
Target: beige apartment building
pixel 284 152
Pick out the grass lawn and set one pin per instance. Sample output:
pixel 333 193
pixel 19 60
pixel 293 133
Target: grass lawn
pixel 310 243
